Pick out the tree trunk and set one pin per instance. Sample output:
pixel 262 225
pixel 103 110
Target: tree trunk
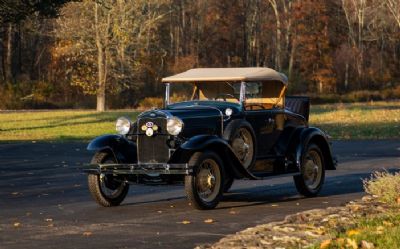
pixel 9 54
pixel 291 58
pixel 346 77
pixel 101 87
pixel 278 35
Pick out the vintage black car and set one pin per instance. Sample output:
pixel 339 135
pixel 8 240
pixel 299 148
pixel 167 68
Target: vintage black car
pixel 237 123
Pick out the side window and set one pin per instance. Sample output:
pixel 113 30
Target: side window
pixel 254 96
pixel 264 95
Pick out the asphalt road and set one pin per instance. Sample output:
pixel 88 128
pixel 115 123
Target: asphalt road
pixel 44 201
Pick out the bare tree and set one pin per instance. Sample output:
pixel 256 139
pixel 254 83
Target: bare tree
pixel 278 44
pixel 394 8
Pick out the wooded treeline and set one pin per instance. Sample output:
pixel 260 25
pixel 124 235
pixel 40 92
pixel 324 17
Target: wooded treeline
pixel 64 53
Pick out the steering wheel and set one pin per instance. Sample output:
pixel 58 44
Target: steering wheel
pixel 250 106
pixel 224 95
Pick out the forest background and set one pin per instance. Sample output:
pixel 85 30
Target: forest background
pixel 109 54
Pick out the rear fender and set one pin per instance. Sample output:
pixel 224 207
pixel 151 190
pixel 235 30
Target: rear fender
pixel 123 150
pixel 215 144
pixel 303 137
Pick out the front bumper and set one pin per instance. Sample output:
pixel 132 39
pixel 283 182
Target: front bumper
pixel 139 169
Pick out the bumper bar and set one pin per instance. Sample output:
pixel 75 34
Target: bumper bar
pixel 139 169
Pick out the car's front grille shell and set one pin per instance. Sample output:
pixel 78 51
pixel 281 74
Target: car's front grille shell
pixel 153 149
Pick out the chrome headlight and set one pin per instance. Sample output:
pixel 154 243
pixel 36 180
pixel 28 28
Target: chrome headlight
pixel 174 126
pixel 123 125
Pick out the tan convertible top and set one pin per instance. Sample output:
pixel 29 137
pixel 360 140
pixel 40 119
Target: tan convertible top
pixel 228 74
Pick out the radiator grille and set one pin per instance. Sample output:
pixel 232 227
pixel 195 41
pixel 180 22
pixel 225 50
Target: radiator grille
pixel 153 149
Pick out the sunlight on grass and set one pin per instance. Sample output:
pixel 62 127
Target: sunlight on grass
pixel 56 125
pixel 378 120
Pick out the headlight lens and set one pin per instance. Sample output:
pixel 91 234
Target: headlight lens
pixel 174 126
pixel 123 125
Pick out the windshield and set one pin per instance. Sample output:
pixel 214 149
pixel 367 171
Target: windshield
pixel 259 95
pixel 205 91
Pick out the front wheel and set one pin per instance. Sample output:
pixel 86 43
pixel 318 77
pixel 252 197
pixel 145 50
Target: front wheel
pixel 205 186
pixel 106 189
pixel 311 179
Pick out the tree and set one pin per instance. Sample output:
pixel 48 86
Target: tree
pixel 394 9
pixel 104 42
pixel 12 13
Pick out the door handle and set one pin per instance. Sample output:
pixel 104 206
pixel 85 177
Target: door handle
pixel 271 121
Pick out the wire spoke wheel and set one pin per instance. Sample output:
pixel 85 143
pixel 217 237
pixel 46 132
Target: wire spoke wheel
pixel 208 180
pixel 107 189
pixel 312 169
pixel 109 185
pixel 311 178
pixel 204 187
pixel 243 146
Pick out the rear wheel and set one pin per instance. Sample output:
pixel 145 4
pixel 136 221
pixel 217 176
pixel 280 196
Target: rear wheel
pixel 241 137
pixel 106 189
pixel 205 186
pixel 311 179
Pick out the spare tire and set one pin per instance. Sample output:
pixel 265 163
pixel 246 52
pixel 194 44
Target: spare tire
pixel 241 137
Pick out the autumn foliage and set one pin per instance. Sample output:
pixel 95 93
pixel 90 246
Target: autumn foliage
pixel 114 52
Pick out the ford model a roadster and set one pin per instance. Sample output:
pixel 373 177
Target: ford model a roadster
pixel 236 123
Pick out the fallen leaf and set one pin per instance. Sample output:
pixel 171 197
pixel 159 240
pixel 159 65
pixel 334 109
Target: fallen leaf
pixel 380 230
pixel 209 221
pixel 274 205
pixel 351 243
pixel 172 206
pixel 325 244
pixel 17 224
pixel 232 212
pixel 87 234
pixel 185 222
pixel 48 219
pixel 159 211
pixel 353 232
pixel 387 223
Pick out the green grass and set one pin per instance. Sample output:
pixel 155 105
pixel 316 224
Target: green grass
pixel 58 125
pixel 383 231
pixel 379 120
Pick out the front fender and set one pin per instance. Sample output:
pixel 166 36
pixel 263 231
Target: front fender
pixel 216 144
pixel 123 150
pixel 305 136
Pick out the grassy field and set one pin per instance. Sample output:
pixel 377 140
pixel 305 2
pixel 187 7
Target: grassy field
pixel 380 120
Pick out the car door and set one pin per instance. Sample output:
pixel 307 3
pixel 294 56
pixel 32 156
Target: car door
pixel 264 126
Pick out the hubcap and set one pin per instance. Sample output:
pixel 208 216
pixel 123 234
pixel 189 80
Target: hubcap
pixel 208 180
pixel 312 169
